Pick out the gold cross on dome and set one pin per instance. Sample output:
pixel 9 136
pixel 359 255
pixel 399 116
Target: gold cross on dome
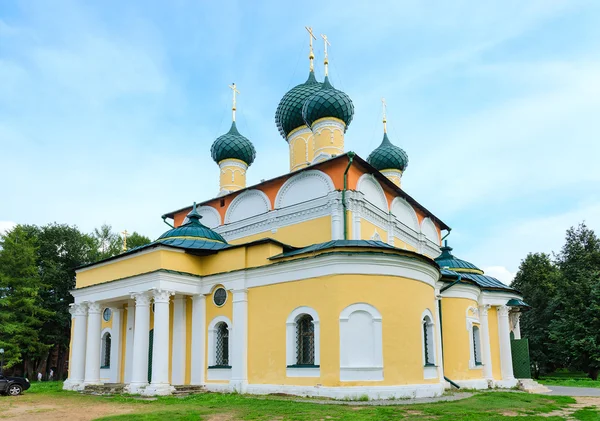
pixel 234 91
pixel 125 234
pixel 384 106
pixel 311 55
pixel 326 42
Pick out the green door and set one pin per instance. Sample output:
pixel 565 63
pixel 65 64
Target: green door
pixel 150 343
pixel 520 358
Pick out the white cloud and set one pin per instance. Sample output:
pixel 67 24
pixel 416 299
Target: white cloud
pixel 6 225
pixel 500 273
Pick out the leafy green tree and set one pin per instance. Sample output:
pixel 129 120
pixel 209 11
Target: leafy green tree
pixel 108 243
pixel 136 240
pixel 576 325
pixel 537 280
pixel 22 313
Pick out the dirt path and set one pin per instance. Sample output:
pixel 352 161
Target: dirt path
pixel 38 407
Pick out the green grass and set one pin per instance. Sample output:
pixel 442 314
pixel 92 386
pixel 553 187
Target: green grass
pixel 570 379
pixel 494 406
pixel 587 414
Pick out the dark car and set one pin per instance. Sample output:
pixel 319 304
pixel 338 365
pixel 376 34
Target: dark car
pixel 13 386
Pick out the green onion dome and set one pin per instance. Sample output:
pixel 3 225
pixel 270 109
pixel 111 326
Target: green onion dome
pixel 328 102
pixel 192 230
pixel 232 145
pixel 289 111
pixel 447 260
pixel 387 156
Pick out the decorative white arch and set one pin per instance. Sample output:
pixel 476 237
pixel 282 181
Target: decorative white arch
pixel 247 204
pixel 369 186
pixel 210 216
pixel 302 187
pixel 361 343
pixel 405 213
pixel 290 339
pixel 103 335
pixel 212 337
pixel 427 323
pixel 430 231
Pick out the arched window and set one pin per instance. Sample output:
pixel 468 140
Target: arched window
pixel 105 351
pixel 305 340
pixel 428 341
pixel 222 345
pixel 476 345
pixel 361 352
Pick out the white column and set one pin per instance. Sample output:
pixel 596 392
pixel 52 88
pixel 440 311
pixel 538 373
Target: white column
pixel 504 339
pixel 160 352
pixel 141 332
pixel 239 346
pixel 115 345
pixel 129 341
pixel 92 348
pixel 486 357
pixel 179 340
pixel 78 342
pixel 198 339
pixel 439 360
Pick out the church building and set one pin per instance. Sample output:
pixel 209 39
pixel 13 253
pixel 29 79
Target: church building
pixel 330 280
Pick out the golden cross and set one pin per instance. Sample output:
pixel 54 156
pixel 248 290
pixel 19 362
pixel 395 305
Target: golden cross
pixel 326 41
pixel 311 55
pixel 125 234
pixel 384 106
pixel 234 91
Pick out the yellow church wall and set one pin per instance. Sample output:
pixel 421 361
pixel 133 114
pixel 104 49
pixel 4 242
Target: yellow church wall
pixel 457 345
pixel 188 341
pixel 224 261
pixel 105 324
pixel 368 229
pixel 401 244
pixel 212 311
pixel 494 343
pixel 231 176
pixel 301 149
pixel 329 138
pixel 316 230
pixel 137 264
pixel 401 325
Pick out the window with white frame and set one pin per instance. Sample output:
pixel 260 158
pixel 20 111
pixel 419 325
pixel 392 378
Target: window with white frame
pixel 303 343
pixel 219 349
pixel 428 341
pixel 105 350
pixel 361 350
pixel 476 345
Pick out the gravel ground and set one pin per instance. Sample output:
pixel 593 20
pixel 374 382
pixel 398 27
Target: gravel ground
pixel 573 391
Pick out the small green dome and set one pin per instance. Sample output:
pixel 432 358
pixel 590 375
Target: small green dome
pixel 328 102
pixel 191 230
pixel 447 260
pixel 232 145
pixel 388 155
pixel 289 111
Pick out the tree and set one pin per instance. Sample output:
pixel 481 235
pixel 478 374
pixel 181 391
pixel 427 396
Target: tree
pixel 537 280
pixel 22 313
pixel 576 325
pixel 136 240
pixel 108 243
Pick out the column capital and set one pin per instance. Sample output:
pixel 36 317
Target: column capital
pixel 161 295
pixel 503 311
pixel 142 299
pixel 78 309
pixel 94 307
pixel 483 309
pixel 199 297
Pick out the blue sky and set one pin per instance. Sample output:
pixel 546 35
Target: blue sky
pixel 108 109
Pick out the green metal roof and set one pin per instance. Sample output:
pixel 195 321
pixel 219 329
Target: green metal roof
pixel 289 111
pixel 482 281
pixel 232 145
pixel 517 303
pixel 336 244
pixel 388 155
pixel 328 102
pixel 447 260
pixel 192 234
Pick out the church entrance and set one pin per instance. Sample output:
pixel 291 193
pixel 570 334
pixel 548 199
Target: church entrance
pixel 520 358
pixel 150 346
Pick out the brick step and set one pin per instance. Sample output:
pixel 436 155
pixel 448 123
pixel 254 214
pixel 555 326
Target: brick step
pixel 184 389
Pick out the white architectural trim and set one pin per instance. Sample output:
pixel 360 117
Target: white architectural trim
pixel 178 351
pixel 470 292
pixel 198 339
pixel 402 203
pixel 212 338
pixel 348 370
pixel 298 178
pixel 473 384
pixel 430 231
pixel 216 374
pixel 207 212
pixel 235 203
pixel 129 340
pixel 290 339
pixel 238 354
pixel 429 372
pixel 379 195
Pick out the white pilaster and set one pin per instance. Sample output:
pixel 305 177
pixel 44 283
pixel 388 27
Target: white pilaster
pixel 198 339
pixel 78 342
pixel 141 332
pixel 129 341
pixel 179 340
pixel 239 348
pixel 504 339
pixel 92 348
pixel 115 345
pixel 337 228
pixel 486 357
pixel 160 353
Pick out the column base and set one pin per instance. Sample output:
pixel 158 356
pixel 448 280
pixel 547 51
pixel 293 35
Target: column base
pixel 92 383
pixel 161 389
pixel 240 386
pixel 72 384
pixel 135 388
pixel 506 383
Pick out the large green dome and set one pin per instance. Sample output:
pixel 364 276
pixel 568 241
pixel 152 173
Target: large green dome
pixel 289 111
pixel 192 230
pixel 232 145
pixel 447 260
pixel 328 102
pixel 387 156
